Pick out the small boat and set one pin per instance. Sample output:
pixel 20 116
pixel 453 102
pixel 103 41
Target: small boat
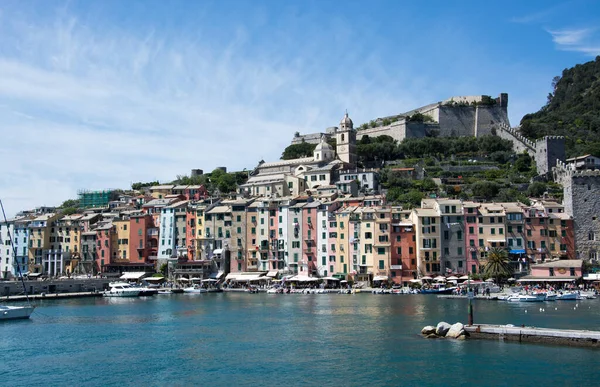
pixel 15 312
pixel 252 289
pixel 274 290
pixel 166 291
pixel 121 289
pixel 438 290
pixel 195 289
pixel 587 296
pixel 567 296
pixel 527 298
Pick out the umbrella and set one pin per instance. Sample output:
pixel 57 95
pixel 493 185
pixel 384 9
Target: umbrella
pixel 452 278
pixel 511 279
pixel 440 278
pixel 426 278
pixel 464 277
pixel 414 281
pixel 184 279
pixel 489 280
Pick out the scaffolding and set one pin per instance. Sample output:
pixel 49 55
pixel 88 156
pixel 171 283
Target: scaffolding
pixel 89 199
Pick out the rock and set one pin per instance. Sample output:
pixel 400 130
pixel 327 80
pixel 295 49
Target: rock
pixel 428 330
pixel 442 328
pixel 455 330
pixel 432 336
pixel 462 337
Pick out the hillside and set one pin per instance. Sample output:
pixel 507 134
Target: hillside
pixel 572 110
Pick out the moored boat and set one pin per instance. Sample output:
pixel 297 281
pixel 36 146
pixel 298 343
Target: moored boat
pixel 527 298
pixel 15 312
pixel 195 289
pixel 567 296
pixel 121 289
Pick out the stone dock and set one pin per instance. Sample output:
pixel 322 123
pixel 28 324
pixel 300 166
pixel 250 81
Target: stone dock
pixel 52 296
pixel 478 297
pixel 522 334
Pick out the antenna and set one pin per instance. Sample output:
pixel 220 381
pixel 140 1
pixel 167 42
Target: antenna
pixel 14 249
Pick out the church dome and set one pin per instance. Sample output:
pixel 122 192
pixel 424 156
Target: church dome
pixel 323 145
pixel 346 121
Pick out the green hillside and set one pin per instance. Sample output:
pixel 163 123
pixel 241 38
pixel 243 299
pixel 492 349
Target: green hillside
pixel 572 110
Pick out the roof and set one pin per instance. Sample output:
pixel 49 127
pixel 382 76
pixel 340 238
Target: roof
pixel 158 202
pixel 219 210
pixel 564 263
pixel 178 204
pixel 426 212
pixel 579 158
pixel 155 187
pixel 302 160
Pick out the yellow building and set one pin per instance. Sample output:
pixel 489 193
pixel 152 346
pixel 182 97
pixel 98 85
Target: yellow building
pixel 382 244
pixel 39 240
pixel 427 225
pixel 122 234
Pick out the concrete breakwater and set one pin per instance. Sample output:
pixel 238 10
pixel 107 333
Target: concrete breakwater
pixel 523 334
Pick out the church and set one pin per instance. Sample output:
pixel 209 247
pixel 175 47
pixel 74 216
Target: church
pixel 293 177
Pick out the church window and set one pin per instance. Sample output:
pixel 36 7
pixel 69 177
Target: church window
pixel 342 136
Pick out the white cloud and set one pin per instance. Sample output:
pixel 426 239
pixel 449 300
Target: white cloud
pixel 579 40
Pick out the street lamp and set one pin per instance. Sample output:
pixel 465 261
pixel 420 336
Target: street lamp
pixel 470 297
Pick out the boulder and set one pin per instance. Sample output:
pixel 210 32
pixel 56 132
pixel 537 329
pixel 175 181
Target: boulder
pixel 462 337
pixel 442 328
pixel 455 330
pixel 432 336
pixel 428 330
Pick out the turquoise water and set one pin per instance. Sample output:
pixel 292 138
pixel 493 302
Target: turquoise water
pixel 263 339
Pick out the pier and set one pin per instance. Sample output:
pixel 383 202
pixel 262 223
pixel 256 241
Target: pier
pixel 51 296
pixel 523 334
pixel 478 297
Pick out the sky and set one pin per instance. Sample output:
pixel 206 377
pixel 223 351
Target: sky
pixel 101 94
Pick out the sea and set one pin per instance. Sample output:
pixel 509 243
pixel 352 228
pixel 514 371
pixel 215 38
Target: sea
pixel 239 339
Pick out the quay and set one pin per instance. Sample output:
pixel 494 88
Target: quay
pixel 51 296
pixel 522 334
pixel 478 297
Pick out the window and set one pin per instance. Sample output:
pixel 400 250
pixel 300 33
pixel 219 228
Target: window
pixel 381 250
pixel 471 230
pixel 459 251
pixel 381 264
pixel 481 230
pixel 551 270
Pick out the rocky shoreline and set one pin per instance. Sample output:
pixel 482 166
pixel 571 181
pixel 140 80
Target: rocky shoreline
pixel 444 330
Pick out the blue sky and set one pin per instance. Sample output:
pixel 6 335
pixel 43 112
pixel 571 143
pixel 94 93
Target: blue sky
pixel 101 94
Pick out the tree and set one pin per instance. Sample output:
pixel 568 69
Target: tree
pixel 139 185
pixel 485 189
pixel 296 151
pixel 497 266
pixel 536 189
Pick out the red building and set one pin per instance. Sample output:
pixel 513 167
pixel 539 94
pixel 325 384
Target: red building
pixel 403 265
pixel 142 245
pixel 470 210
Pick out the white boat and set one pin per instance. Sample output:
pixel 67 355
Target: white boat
pixel 550 296
pixel 567 296
pixel 15 312
pixel 274 290
pixel 195 289
pixel 122 289
pixel 527 298
pixel 588 296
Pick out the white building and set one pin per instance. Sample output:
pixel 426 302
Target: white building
pixel 7 231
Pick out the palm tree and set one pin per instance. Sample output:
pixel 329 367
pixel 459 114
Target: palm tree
pixel 497 264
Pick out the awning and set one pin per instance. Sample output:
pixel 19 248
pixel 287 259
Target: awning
pixel 231 276
pixel 217 251
pixel 548 279
pixel 380 278
pixel 517 251
pixel 592 277
pixel 34 274
pixel 245 278
pixel 216 275
pixel 136 275
pixel 497 240
pixel 273 273
pixel 331 278
pixel 154 279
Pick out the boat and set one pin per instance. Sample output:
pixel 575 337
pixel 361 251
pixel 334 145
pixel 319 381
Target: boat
pixel 195 289
pixel 527 297
pixel 567 296
pixel 252 289
pixel 121 289
pixel 16 312
pixel 274 290
pixel 167 291
pixel 439 290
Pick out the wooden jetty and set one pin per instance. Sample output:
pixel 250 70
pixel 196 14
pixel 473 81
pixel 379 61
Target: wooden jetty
pixel 523 334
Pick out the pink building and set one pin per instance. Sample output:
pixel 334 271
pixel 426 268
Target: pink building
pixel 309 239
pixel 567 270
pixel 471 236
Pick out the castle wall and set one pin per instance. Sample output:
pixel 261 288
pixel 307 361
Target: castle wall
pixel 489 117
pixel 580 193
pixel 520 143
pixel 456 121
pixel 547 151
pixel 397 130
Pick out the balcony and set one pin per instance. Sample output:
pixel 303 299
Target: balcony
pixel 152 232
pixel 395 267
pixel 309 249
pixel 152 257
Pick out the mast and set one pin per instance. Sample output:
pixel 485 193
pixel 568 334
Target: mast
pixel 14 249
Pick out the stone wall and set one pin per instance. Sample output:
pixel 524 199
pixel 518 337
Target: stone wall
pixel 580 198
pixel 548 151
pixel 11 288
pixel 520 143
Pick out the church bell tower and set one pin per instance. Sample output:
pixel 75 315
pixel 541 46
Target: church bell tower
pixel 345 137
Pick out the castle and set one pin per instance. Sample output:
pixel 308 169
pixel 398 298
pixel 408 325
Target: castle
pixel 580 198
pixel 457 116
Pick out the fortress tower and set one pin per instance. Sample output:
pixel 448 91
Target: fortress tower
pixel 345 137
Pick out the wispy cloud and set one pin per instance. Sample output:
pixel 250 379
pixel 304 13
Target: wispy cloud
pixel 92 107
pixel 580 40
